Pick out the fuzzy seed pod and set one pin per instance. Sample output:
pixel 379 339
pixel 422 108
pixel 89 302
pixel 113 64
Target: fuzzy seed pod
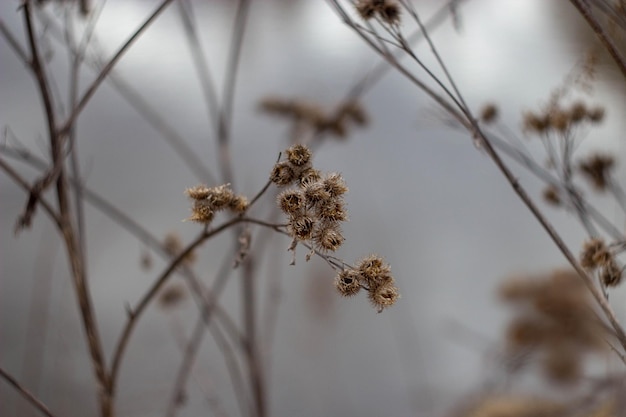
pixel 595 254
pixel 238 204
pixel 201 212
pixel 309 176
pixel 282 174
pixel 302 227
pixel 335 185
pixel 347 282
pixel 383 297
pixel 331 210
pixel 291 201
pixel 199 192
pixel 328 238
pixel 316 193
pixel 611 274
pixel 298 155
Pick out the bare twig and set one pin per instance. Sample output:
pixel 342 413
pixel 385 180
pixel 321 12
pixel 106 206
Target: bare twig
pixel 228 97
pixel 109 66
pixel 26 394
pixel 583 8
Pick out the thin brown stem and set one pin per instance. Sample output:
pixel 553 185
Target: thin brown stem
pixel 109 66
pixel 583 8
pixel 37 403
pixel 228 97
pixel 135 313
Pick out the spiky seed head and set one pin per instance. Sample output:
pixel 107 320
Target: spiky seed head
pixel 366 9
pixel 201 212
pixel 596 115
pixel 331 210
pixel 199 192
pixel 611 274
pixel 551 195
pixel 220 197
pixel 347 282
pixel 282 174
pixel 309 176
pixel 384 296
pixel 298 155
pixel 597 169
pixel 595 254
pixel 239 204
pixel 534 123
pixel 389 12
pixel 373 266
pixel 578 111
pixel 315 193
pixel 302 226
pixel 334 184
pixel 559 120
pixel 291 201
pixel 328 237
pixel 489 113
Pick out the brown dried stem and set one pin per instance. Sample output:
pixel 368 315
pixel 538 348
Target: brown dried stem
pixel 464 116
pixel 109 66
pixel 37 403
pixel 583 8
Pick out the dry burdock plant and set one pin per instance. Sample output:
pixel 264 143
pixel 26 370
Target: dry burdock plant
pixel 558 322
pixel 554 320
pixel 560 318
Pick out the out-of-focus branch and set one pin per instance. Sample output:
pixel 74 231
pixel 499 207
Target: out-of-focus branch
pixel 583 8
pixel 38 404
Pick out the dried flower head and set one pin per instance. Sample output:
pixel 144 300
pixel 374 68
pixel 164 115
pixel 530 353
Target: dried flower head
pixel 199 192
pixel 559 120
pixel 328 237
pixel 534 123
pixel 201 212
pixel 557 323
pixel 596 115
pixel 282 174
pixel 384 296
pixel 595 254
pixel 207 201
pixel 347 282
pixel 489 113
pixel 578 112
pixel 298 155
pixel 334 185
pixel 302 226
pixel 316 193
pixel 390 12
pixel 373 268
pixel 353 111
pixel 597 169
pixel 238 204
pixel 331 210
pixel 291 201
pixel 611 274
pixel 551 195
pixel 366 9
pixel 387 10
pixel 171 296
pixel 309 176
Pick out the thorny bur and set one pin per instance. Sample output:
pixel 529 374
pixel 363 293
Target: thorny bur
pixel 315 209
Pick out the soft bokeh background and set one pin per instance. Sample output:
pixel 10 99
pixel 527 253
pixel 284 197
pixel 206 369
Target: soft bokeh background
pixel 420 194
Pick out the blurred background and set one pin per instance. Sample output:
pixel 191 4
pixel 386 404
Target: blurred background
pixel 420 194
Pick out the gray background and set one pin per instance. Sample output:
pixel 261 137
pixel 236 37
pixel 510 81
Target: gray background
pixel 420 194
